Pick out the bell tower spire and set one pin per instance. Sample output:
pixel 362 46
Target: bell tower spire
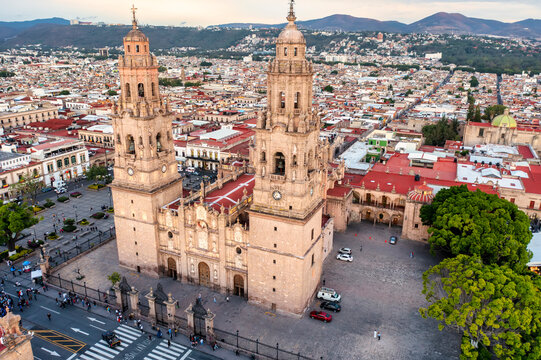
pixel 134 20
pixel 291 16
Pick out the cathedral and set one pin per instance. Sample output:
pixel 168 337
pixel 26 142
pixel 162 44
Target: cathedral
pixel 260 231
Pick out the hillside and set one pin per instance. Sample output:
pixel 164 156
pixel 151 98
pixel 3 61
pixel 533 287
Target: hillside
pixel 12 28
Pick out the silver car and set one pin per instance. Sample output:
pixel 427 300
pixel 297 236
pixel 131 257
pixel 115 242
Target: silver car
pixel 345 251
pixel 344 257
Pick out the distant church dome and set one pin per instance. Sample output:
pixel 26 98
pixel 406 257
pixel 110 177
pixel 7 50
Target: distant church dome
pixel 422 193
pixel 504 120
pixel 291 34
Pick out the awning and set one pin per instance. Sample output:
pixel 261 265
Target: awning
pixel 36 274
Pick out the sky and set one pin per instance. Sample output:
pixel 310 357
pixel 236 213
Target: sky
pixel 213 12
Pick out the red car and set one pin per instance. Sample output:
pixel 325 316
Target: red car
pixel 320 315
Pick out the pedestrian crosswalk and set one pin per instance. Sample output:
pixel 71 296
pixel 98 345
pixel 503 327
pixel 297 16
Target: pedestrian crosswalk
pixel 102 351
pixel 163 352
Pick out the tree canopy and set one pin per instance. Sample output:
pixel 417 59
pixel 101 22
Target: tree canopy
pixel 492 305
pixel 328 88
pixel 437 134
pixel 96 172
pixel 492 111
pixel 477 223
pixel 14 218
pixel 28 187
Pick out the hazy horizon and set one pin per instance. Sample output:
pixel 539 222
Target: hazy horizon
pixel 184 12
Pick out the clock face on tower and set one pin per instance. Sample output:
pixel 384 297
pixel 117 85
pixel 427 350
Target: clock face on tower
pixel 164 168
pixel 130 171
pixel 276 195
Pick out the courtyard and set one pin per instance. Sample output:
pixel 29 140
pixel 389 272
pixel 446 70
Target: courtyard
pixel 381 290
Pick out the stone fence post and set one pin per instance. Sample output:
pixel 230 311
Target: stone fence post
pixel 151 306
pixel 171 309
pixel 134 301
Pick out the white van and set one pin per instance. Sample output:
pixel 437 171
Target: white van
pixel 328 294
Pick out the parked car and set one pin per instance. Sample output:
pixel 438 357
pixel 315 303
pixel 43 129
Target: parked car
pixel 330 305
pixel 46 189
pixel 190 169
pixel 60 190
pixel 345 251
pixel 320 315
pixel 393 240
pixel 344 257
pixel 110 338
pixel 328 294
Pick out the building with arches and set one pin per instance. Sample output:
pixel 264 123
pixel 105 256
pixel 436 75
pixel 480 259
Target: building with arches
pixel 260 231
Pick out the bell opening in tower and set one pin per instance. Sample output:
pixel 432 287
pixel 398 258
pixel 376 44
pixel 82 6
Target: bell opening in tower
pixel 279 164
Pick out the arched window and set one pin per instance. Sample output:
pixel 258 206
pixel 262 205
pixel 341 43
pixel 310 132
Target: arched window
pixel 263 156
pixel 136 48
pixel 150 140
pixel 279 164
pixel 141 90
pixel 282 100
pixel 295 52
pixel 59 163
pixel 140 141
pixel 153 90
pixel 159 142
pixel 130 145
pixel 145 48
pixel 285 51
pixel 294 160
pixel 128 92
pixel 118 139
pixel 297 99
pixel 129 48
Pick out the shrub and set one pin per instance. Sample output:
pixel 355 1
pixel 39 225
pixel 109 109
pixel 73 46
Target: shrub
pixel 48 203
pixel 69 222
pixel 52 236
pixel 20 254
pixel 98 215
pixel 35 244
pixel 76 194
pixel 63 198
pixel 69 228
pixel 111 210
pixel 84 222
pixel 36 208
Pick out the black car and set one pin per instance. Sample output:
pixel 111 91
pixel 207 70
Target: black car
pixel 110 338
pixel 329 305
pixel 393 240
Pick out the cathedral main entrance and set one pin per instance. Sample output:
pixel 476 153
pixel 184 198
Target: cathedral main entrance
pixel 172 268
pixel 238 286
pixel 204 274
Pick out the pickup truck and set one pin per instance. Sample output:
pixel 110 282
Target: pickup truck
pixel 328 294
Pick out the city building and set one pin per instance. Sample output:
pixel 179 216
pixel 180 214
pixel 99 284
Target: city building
pixel 17 117
pixel 261 235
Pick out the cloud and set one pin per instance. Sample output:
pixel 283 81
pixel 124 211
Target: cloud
pixel 208 12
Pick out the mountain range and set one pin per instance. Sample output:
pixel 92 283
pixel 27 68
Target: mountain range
pixel 438 23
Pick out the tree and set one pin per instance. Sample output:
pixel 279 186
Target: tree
pixel 162 69
pixel 112 93
pixel 64 92
pixel 437 134
pixel 477 223
pixel 492 111
pixel 493 307
pixel 96 172
pixel 28 187
pixel 477 115
pixel 114 278
pixel 205 64
pixel 6 74
pixel 471 108
pixel 328 89
pixel 14 218
pixel 474 82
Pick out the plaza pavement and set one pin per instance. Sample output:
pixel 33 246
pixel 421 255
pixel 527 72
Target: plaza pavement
pixel 381 290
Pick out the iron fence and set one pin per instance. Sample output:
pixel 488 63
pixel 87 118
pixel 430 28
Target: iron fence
pixel 256 347
pixel 59 256
pixel 105 297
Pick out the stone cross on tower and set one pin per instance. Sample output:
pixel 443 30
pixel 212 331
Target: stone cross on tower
pixel 134 21
pixel 291 15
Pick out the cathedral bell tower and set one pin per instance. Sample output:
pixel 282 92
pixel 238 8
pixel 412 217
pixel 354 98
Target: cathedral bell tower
pixel 146 175
pixel 286 214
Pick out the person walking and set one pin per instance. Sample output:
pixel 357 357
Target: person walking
pixel 323 282
pixel 168 343
pixel 49 316
pixel 379 336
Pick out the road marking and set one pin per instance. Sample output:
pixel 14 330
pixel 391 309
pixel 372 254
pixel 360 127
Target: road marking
pixel 166 350
pixel 79 331
pixel 56 312
pixel 95 349
pixel 95 327
pixel 107 348
pixel 72 356
pixel 130 330
pixel 59 339
pixel 95 320
pixel 186 355
pixel 83 356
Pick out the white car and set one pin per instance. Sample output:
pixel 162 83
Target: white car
pixel 345 251
pixel 344 257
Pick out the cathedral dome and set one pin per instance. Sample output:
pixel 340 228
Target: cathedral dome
pixel 291 35
pixel 504 120
pixel 422 193
pixel 136 35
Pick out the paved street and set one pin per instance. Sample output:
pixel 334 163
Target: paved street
pixel 75 333
pixel 381 290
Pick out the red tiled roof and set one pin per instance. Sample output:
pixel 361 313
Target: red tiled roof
pixel 525 152
pixel 231 193
pixel 339 191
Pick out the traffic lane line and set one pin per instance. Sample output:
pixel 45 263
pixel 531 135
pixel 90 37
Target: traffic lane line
pixel 186 355
pixel 46 308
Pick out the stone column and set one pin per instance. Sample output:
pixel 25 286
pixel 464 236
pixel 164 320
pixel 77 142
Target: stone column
pixel 209 325
pixel 44 265
pixel 151 306
pixel 171 309
pixel 118 295
pixel 189 317
pixel 134 301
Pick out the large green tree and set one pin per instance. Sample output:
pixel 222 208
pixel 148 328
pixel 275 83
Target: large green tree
pixel 477 223
pixel 96 172
pixel 437 134
pixel 29 188
pixel 492 111
pixel 14 218
pixel 493 307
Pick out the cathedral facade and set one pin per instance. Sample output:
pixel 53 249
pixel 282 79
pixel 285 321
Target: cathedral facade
pixel 260 231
